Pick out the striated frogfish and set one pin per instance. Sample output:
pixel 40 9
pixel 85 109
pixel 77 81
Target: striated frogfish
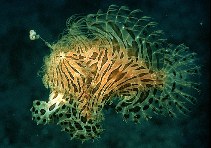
pixel 117 59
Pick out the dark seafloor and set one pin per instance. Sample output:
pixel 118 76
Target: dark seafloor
pixel 183 21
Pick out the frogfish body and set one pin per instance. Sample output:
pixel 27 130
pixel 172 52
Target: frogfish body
pixel 115 59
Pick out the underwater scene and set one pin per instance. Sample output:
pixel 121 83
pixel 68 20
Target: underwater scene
pixel 105 74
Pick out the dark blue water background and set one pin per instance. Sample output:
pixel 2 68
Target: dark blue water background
pixel 183 21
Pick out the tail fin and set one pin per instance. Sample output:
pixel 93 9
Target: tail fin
pixel 177 66
pixel 181 79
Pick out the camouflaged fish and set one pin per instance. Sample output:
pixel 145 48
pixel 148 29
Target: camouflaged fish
pixel 117 59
